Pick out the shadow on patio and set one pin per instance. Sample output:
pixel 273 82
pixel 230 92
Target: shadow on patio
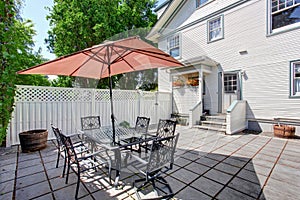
pixel 208 165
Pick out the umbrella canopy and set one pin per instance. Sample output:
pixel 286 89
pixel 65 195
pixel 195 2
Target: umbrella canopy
pixel 105 60
pixel 127 55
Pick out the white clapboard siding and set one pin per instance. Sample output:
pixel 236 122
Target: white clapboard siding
pixel 39 107
pixel 185 98
pixel 266 83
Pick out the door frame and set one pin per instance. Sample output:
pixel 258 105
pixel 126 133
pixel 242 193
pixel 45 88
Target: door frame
pixel 221 89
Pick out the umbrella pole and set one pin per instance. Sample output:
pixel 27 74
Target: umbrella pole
pixel 112 107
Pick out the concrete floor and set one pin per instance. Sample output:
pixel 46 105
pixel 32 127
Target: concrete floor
pixel 208 165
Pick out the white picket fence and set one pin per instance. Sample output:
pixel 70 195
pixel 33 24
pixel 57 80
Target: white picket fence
pixel 39 107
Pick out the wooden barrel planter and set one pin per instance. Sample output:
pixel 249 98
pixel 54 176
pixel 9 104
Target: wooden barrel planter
pixel 33 140
pixel 284 131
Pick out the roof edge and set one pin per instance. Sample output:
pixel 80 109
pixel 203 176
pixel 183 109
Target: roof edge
pixel 162 5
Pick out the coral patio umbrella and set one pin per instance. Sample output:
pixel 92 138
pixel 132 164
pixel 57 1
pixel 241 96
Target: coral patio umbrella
pixel 107 59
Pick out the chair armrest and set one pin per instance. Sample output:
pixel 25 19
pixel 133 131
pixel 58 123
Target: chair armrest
pixel 74 134
pixel 139 159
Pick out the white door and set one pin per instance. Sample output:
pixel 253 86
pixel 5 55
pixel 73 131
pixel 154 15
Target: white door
pixel 231 88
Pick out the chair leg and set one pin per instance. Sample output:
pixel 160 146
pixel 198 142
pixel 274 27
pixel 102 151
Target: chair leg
pixel 109 173
pixel 64 169
pixel 77 186
pixel 58 155
pixel 68 170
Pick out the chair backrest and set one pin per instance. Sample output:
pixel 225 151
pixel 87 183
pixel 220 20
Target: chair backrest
pixel 90 123
pixel 69 148
pixel 166 127
pixel 56 132
pixel 142 124
pixel 162 153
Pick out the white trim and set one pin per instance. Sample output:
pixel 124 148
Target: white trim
pixel 293 93
pixel 285 28
pixel 221 18
pixel 179 45
pixel 203 4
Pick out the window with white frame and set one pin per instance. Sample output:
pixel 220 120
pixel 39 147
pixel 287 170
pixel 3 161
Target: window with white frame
pixel 174 46
pixel 215 29
pixel 284 12
pixel 230 83
pixel 295 78
pixel 200 2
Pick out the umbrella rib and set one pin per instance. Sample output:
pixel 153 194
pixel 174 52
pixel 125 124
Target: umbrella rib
pixel 97 58
pixel 122 58
pixel 146 52
pixel 80 66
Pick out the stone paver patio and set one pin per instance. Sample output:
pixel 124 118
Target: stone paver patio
pixel 208 165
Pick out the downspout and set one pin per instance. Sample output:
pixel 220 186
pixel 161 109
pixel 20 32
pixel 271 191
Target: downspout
pixel 220 90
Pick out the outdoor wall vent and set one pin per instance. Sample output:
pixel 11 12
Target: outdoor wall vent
pixel 244 52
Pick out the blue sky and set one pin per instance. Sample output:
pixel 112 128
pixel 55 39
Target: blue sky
pixel 36 12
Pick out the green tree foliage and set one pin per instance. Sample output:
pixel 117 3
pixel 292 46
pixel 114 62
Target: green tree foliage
pixel 15 54
pixel 78 24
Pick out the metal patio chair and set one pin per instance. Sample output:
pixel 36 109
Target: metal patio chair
pixel 81 163
pixel 158 161
pixel 141 126
pixel 60 146
pixel 165 128
pixel 90 123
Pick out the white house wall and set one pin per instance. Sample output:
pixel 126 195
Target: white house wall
pixel 266 63
pixel 185 98
pixel 164 81
pixel 204 11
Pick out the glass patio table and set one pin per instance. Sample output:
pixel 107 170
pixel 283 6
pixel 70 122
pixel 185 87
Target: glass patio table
pixel 103 138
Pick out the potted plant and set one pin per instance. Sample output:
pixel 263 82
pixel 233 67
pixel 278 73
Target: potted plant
pixel 193 82
pixel 284 131
pixel 178 83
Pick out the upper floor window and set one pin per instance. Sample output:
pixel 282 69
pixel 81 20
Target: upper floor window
pixel 215 29
pixel 174 46
pixel 284 12
pixel 200 2
pixel 295 79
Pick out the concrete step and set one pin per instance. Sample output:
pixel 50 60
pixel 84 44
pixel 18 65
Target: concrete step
pixel 217 118
pixel 210 128
pixel 216 124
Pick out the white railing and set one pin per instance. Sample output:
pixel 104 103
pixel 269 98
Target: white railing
pixel 38 107
pixel 236 117
pixel 195 114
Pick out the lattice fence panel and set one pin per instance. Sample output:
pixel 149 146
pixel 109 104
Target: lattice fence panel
pixel 120 95
pixel 38 107
pixel 102 95
pixel 50 94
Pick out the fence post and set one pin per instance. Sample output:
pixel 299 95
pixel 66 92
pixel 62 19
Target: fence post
pixel 156 105
pixel 139 103
pixel 93 98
